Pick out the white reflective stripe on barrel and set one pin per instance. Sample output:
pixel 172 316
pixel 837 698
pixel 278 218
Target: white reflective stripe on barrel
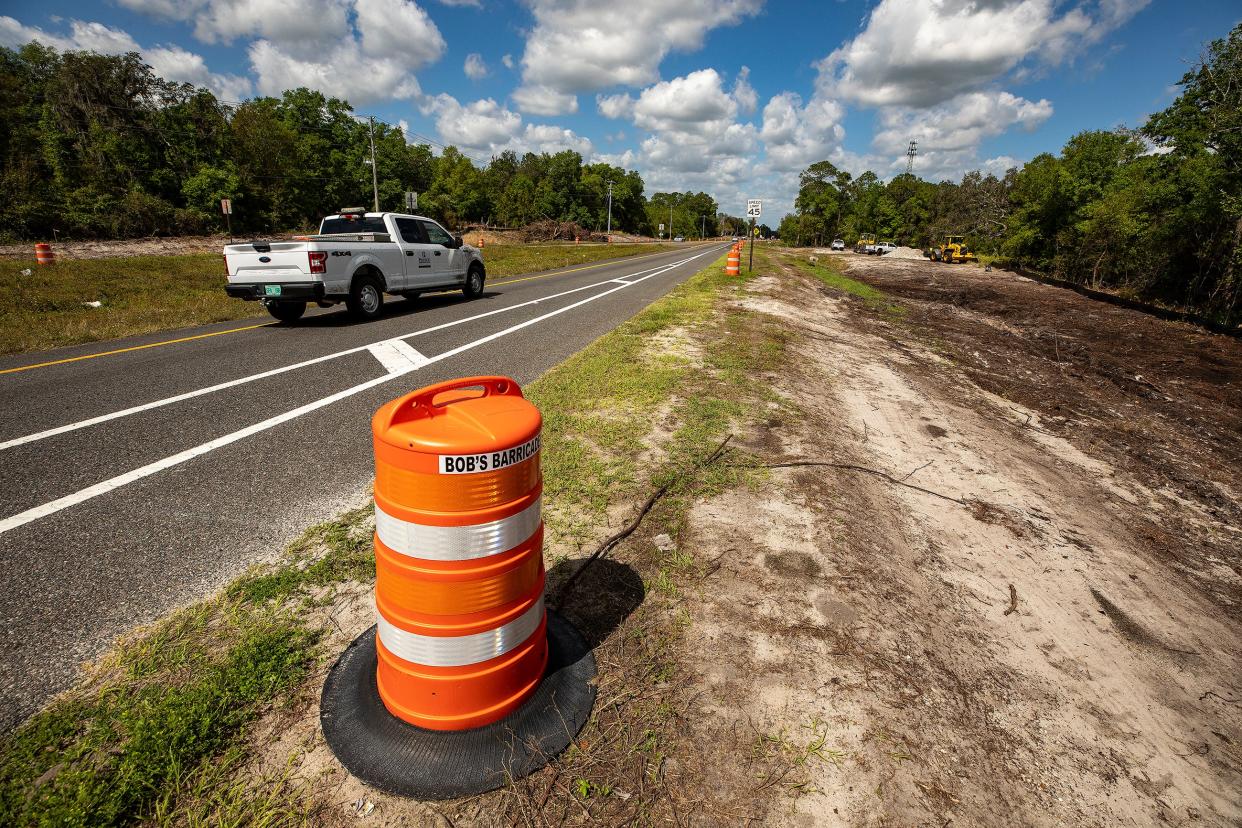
pixel 456 543
pixel 459 650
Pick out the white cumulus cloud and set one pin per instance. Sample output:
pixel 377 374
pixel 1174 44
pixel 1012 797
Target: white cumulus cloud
pixel 92 37
pixel 398 30
pixel 950 134
pixel 175 63
pixel 474 66
pixel 485 126
pixel 223 21
pixel 579 46
pixel 343 72
pixel 962 123
pixel 695 103
pixel 476 125
pixel 361 50
pixel 797 135
pixel 924 52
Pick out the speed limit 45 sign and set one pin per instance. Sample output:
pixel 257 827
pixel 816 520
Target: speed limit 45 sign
pixel 754 208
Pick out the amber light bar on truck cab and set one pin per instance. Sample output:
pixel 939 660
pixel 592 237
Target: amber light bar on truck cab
pixel 353 213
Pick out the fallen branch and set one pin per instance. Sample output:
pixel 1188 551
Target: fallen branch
pixel 919 469
pixel 611 542
pixel 851 467
pixel 1013 600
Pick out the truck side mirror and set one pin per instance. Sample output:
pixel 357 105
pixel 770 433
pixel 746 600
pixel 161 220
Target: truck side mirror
pixel 457 242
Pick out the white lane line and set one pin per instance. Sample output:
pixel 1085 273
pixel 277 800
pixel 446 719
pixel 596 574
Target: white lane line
pixel 622 282
pixel 22 518
pixel 52 507
pixel 397 356
pixel 188 395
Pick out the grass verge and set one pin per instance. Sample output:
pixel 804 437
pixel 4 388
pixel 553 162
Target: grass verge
pixel 504 260
pixel 829 275
pixel 161 730
pixel 158 729
pixel 143 294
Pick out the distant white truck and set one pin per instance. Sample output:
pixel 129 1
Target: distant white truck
pixel 355 258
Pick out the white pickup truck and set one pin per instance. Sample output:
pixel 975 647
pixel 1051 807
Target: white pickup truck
pixel 355 258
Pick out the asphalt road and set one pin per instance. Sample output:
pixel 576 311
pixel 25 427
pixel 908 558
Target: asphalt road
pixel 111 517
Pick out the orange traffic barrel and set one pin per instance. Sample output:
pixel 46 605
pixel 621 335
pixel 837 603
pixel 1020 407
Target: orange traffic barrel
pixel 466 682
pixel 44 254
pixel 733 263
pixel 458 553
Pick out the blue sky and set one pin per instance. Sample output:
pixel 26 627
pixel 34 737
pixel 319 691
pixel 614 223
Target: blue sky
pixel 734 97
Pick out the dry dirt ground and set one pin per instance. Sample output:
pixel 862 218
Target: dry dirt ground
pixel 1052 637
pixel 992 578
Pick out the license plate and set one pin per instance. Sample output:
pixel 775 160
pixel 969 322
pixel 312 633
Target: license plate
pixel 271 290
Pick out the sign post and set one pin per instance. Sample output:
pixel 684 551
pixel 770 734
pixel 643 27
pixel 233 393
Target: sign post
pixel 661 231
pixel 754 209
pixel 411 201
pixel 226 207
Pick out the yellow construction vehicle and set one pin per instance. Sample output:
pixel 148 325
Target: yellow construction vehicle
pixel 953 250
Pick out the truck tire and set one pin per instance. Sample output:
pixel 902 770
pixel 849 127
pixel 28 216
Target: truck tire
pixel 366 297
pixel 287 311
pixel 475 278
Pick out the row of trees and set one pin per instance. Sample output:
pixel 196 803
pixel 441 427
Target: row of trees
pixel 1155 212
pixel 96 145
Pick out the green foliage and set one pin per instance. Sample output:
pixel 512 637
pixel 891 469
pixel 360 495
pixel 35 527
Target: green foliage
pixel 157 733
pixel 1106 211
pixel 349 557
pixel 104 758
pixel 98 145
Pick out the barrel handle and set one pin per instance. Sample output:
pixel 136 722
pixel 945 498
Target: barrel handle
pixel 421 404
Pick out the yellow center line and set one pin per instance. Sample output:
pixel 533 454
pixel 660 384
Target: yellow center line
pixel 605 263
pixel 133 348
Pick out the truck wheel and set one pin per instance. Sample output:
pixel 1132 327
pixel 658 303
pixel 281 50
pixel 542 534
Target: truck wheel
pixel 474 282
pixel 287 311
pixel 366 298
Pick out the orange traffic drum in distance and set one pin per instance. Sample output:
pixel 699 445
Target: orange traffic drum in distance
pixel 461 630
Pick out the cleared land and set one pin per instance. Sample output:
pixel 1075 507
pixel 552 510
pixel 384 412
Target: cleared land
pixel 969 557
pixel 142 294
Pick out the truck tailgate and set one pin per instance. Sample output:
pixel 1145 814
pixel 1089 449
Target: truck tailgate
pixel 284 261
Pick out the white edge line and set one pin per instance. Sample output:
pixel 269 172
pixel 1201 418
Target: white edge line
pixel 189 395
pixel 61 503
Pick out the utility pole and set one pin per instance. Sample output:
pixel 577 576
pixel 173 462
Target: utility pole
pixel 609 211
pixel 910 153
pixel 703 228
pixel 374 172
pixel 670 218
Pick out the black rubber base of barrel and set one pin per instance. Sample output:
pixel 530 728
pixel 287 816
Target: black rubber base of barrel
pixel 399 758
